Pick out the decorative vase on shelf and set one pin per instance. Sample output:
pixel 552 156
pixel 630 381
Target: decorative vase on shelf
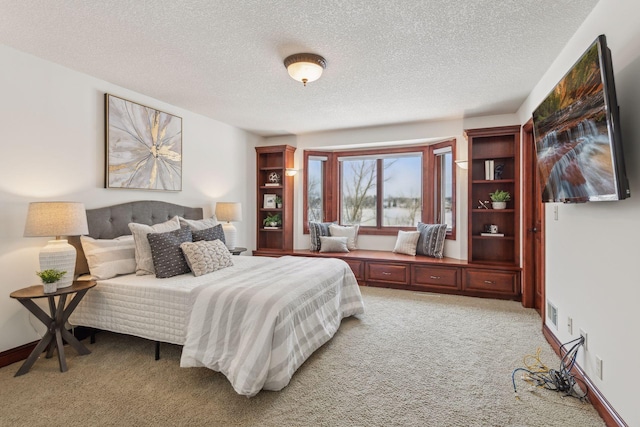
pixel 499 205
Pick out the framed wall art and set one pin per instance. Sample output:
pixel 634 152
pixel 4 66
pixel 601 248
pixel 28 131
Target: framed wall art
pixel 269 201
pixel 143 147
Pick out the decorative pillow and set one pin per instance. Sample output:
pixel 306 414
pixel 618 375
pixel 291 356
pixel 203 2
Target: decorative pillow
pixel 432 238
pixel 206 256
pixel 108 258
pixel 316 230
pixel 333 244
pixel 212 233
pixel 144 261
pixel 198 224
pixel 168 259
pixel 406 242
pixel 349 231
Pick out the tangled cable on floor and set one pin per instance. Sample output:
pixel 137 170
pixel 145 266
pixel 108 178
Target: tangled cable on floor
pixel 538 375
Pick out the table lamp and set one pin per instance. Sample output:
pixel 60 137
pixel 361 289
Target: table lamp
pixel 229 211
pixel 47 219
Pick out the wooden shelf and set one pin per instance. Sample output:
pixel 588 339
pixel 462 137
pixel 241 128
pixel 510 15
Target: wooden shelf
pixel 269 160
pixel 501 254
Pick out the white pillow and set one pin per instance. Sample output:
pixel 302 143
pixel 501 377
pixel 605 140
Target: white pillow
pixel 333 244
pixel 406 242
pixel 108 258
pixel 144 260
pixel 206 256
pixel 349 231
pixel 198 224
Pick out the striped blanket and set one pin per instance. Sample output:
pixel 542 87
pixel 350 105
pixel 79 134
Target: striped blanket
pixel 259 326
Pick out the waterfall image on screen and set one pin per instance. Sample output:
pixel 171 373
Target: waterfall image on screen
pixel 573 136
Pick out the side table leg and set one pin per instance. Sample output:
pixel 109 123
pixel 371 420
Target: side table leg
pixel 44 342
pixel 61 360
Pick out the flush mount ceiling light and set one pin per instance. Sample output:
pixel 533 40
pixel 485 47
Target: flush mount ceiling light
pixel 305 67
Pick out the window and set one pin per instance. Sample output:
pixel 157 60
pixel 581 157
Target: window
pixel 382 190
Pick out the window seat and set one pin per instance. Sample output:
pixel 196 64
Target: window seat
pixel 422 273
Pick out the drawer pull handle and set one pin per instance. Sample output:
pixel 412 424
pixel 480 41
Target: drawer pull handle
pixel 489 282
pixel 435 277
pixel 386 274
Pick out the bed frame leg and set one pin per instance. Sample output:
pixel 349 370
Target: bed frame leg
pixel 157 350
pixel 92 337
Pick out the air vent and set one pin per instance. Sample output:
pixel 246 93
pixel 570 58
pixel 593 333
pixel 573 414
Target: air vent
pixel 552 313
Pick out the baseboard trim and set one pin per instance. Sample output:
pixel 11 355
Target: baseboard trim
pixel 597 399
pixel 17 354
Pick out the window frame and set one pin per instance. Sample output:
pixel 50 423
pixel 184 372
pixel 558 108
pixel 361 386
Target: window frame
pixel 431 175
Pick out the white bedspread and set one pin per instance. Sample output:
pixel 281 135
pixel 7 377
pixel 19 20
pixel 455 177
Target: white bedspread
pixel 260 325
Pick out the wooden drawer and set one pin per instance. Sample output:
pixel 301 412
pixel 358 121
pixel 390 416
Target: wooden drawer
pixel 435 277
pixel 357 267
pixel 498 281
pixel 385 272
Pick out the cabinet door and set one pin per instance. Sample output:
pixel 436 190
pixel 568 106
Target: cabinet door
pixel 357 267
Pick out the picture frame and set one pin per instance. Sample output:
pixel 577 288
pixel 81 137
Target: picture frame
pixel 143 147
pixel 269 201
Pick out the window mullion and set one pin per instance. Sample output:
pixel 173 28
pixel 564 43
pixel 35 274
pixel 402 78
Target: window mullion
pixel 379 192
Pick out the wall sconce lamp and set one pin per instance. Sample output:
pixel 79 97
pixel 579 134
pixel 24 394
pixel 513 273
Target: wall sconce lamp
pixel 462 164
pixel 305 67
pixel 47 219
pixel 229 211
pixel 290 172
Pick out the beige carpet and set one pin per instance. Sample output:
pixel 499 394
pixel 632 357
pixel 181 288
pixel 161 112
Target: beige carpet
pixel 413 359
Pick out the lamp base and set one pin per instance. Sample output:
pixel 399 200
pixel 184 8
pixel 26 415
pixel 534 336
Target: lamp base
pixel 59 255
pixel 230 235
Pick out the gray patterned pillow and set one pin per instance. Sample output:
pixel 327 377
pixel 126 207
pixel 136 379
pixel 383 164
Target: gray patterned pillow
pixel 206 256
pixel 168 259
pixel 317 229
pixel 144 260
pixel 432 238
pixel 211 233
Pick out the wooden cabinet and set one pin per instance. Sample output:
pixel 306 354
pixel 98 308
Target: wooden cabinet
pixel 436 278
pixel 387 273
pixel 491 281
pixel 498 147
pixel 273 182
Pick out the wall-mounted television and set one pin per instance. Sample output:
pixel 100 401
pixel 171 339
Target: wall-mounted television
pixel 577 134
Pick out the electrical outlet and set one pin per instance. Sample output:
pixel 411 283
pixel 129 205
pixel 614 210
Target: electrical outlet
pixel 583 334
pixel 570 325
pixel 552 313
pixel 598 367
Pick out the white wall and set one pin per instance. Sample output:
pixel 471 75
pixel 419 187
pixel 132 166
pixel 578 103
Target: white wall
pixel 395 134
pixel 52 148
pixel 592 249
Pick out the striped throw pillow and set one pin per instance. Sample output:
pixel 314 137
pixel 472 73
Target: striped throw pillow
pixel 317 229
pixel 431 241
pixel 108 258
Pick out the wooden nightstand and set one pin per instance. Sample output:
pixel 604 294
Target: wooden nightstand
pixel 55 322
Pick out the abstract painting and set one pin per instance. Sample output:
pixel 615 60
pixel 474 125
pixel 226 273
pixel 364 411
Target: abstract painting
pixel 144 147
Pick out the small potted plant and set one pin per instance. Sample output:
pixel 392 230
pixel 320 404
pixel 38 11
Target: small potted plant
pixel 50 278
pixel 499 199
pixel 272 220
pixel 278 202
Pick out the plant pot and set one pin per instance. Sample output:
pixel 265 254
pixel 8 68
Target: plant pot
pixel 50 288
pixel 273 224
pixel 279 205
pixel 499 205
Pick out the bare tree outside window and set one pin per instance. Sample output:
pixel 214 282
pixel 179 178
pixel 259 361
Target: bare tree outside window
pixel 314 191
pixel 359 192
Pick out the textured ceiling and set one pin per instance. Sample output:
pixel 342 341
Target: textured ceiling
pixel 387 61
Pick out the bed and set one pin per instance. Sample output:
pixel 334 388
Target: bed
pixel 256 321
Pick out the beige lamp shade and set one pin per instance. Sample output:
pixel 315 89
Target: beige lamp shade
pixel 48 219
pixel 227 212
pixel 54 219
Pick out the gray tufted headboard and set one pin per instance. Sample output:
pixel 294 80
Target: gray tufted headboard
pixel 113 221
